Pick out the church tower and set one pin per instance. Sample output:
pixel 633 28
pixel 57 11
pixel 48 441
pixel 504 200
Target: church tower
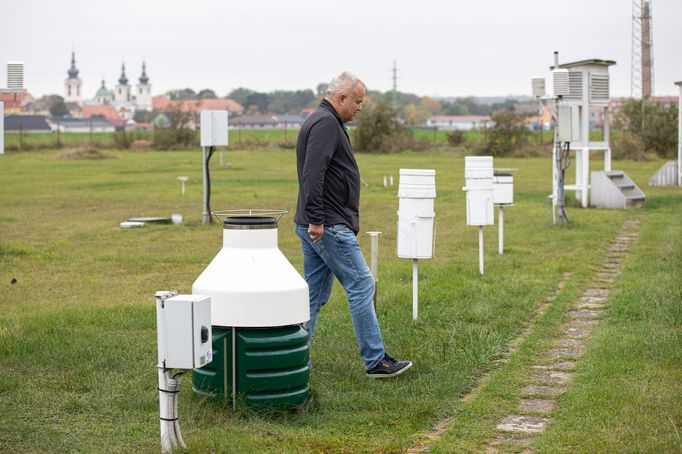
pixel 72 85
pixel 122 90
pixel 143 94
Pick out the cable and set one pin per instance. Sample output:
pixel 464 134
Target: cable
pixel 208 184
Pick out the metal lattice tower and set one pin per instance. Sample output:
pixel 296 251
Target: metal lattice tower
pixel 642 64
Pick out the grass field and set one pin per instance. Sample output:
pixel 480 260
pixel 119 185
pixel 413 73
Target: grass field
pixel 239 138
pixel 78 335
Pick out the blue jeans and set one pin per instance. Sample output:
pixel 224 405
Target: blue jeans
pixel 338 254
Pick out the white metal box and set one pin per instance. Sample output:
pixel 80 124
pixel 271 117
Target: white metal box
pixel 503 189
pixel 416 215
pixel 479 197
pixel 538 87
pixel 183 325
pixel 415 228
pixel 569 124
pixel 213 128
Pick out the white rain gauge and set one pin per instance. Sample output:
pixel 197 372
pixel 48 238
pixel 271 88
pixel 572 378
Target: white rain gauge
pixel 478 174
pixel 503 196
pixel 416 222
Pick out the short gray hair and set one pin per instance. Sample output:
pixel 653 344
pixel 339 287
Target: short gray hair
pixel 344 81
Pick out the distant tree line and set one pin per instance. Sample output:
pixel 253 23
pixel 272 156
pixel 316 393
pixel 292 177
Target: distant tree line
pixel 413 109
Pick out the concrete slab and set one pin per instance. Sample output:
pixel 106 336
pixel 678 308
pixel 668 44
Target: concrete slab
pixel 539 390
pixel 584 314
pixel 563 365
pixel 553 377
pixel 523 423
pixel 562 352
pixel 579 323
pixel 539 405
pixel 596 292
pixel 577 333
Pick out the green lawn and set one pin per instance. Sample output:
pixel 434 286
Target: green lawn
pixel 78 335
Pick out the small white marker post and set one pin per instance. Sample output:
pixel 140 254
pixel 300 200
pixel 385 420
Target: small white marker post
pixel 182 181
pixel 385 181
pixel 500 218
pixel 374 262
pixel 391 180
pixel 480 248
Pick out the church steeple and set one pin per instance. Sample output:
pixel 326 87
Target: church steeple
pixel 73 72
pixel 123 80
pixel 143 78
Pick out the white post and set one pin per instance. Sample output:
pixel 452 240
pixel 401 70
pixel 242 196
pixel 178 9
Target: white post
pixel 415 290
pixel 374 263
pixel 607 139
pixel 480 248
pixel 500 247
pixel 586 177
pixel 2 128
pixel 585 133
pixel 206 216
pixel 679 136
pixel 555 170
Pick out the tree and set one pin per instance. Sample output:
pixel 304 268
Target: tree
pixel 144 116
pixel 646 127
pixel 206 93
pixel 378 129
pixel 322 89
pixel 177 134
pixel 240 94
pixel 185 93
pixel 56 106
pixel 260 100
pixel 507 134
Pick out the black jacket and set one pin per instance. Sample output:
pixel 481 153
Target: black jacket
pixel 328 175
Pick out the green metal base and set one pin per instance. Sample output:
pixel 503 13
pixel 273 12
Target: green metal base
pixel 271 367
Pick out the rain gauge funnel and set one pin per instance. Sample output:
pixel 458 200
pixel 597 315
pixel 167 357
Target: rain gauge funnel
pixel 259 303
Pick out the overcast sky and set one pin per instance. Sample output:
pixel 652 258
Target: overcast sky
pixel 443 48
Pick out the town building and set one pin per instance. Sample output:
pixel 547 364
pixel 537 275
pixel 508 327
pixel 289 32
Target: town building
pixel 123 95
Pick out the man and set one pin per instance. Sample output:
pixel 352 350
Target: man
pixel 327 220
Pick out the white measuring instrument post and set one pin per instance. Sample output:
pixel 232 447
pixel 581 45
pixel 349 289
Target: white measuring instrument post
pixel 416 222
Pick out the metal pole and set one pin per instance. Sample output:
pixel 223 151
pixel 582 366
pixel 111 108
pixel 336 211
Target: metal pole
pixel 415 290
pixel 234 368
pixel 679 136
pixel 2 128
pixel 206 216
pixel 374 262
pixel 500 247
pixel 480 248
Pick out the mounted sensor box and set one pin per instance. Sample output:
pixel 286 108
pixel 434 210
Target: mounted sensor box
pixel 184 331
pixel 213 128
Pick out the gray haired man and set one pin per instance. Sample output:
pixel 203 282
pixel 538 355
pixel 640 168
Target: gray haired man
pixel 327 220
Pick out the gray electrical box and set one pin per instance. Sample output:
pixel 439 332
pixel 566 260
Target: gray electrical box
pixel 569 124
pixel 213 128
pixel 183 325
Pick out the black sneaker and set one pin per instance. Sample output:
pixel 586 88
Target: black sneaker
pixel 388 367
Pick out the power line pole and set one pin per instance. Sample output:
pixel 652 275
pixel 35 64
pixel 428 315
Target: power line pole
pixel 395 85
